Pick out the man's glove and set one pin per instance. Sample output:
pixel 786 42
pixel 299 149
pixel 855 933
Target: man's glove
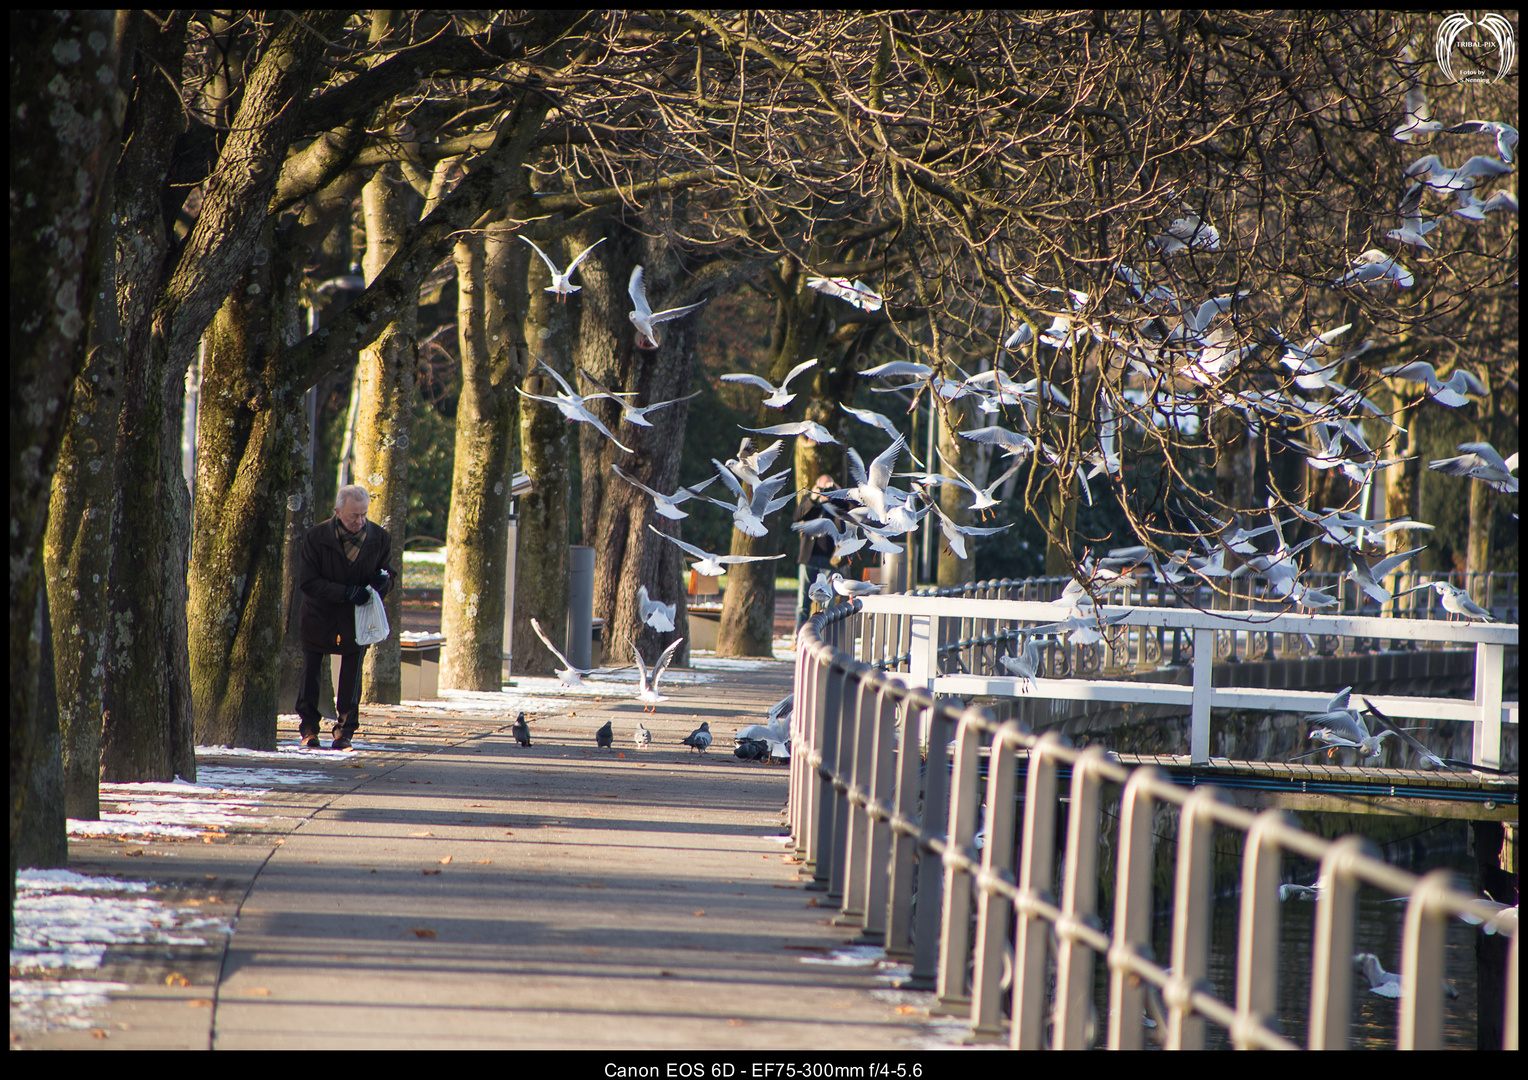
pixel 379 580
pixel 357 594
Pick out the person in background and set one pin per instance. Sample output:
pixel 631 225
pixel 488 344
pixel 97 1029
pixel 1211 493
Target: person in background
pixel 340 558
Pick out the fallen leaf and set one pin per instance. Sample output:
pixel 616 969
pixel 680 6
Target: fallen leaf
pixel 423 931
pixel 200 1003
pixel 619 754
pixel 812 902
pixel 258 991
pixel 352 765
pixel 734 1022
pixel 484 862
pixel 133 851
pixel 702 911
pixel 425 833
pixel 373 870
pixel 907 1010
pixel 99 1033
pixel 175 978
pixel 445 861
pixel 427 873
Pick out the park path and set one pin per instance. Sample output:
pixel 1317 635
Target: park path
pixel 468 892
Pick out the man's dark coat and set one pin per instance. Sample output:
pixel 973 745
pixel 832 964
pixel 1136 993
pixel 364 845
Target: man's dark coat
pixel 328 619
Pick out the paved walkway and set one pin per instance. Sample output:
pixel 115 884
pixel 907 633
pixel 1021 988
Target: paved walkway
pixel 462 891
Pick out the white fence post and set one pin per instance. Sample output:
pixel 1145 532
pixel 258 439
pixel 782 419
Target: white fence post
pixel 1488 683
pixel 1199 710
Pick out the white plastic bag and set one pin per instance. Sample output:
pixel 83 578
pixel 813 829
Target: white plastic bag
pixel 371 620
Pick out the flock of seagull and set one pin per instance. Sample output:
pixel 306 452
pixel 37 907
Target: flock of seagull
pixel 1185 358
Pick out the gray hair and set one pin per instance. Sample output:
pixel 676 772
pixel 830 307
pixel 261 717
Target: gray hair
pixel 351 493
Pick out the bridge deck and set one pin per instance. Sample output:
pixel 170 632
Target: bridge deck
pixel 1299 785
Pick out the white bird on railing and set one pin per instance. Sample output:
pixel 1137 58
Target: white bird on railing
pixel 560 283
pixel 644 318
pixel 821 590
pixel 848 588
pixel 1026 665
pixel 1456 601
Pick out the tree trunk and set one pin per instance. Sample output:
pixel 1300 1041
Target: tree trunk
pixel 472 610
pixel 78 552
pixel 251 434
pixel 799 333
pixel 63 148
pixel 387 373
pixel 546 442
pixel 44 839
pixel 956 503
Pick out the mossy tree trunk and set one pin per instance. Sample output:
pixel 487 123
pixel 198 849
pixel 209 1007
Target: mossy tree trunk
pixel 546 442
pixel 487 419
pixel 63 149
pixel 388 369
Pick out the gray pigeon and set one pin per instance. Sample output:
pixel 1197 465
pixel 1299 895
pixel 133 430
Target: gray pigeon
pixel 642 736
pixel 521 730
pixel 700 738
pixel 604 736
pixel 751 750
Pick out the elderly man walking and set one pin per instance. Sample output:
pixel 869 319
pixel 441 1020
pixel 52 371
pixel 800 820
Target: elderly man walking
pixel 340 558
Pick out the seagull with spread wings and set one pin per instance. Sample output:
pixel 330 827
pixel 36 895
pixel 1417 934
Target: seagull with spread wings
pixel 560 284
pixel 644 318
pixel 777 397
pixel 711 565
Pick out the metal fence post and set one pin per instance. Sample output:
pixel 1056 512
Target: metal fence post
pixel 1036 862
pixel 1489 660
pixel 1199 710
pixel 1331 981
pixel 1257 958
pixel 858 746
pixel 994 912
pixel 881 790
pixel 1132 907
pixel 904 849
pixel 1422 943
pixel 1079 903
pixel 825 808
pixel 935 822
pixel 954 926
pixel 1193 903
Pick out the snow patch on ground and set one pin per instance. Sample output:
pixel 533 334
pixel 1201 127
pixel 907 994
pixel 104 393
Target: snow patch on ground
pixel 66 922
pixel 853 956
pixel 708 662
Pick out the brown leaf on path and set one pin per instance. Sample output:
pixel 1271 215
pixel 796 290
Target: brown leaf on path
pixel 200 1003
pixel 427 873
pixel 702 911
pixel 133 851
pixel 258 991
pixel 484 862
pixel 445 861
pixel 99 1033
pixel 175 978
pixel 906 1010
pixel 425 833
pixel 422 932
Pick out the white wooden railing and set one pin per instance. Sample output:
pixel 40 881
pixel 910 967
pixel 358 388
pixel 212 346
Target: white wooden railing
pixel 916 621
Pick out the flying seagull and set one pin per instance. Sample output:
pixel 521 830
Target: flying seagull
pixel 711 565
pixel 644 318
pixel 570 675
pixel 777 397
pixel 560 284
pixel 647 691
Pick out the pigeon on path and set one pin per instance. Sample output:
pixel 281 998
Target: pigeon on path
pixel 700 738
pixel 642 736
pixel 604 736
pixel 521 730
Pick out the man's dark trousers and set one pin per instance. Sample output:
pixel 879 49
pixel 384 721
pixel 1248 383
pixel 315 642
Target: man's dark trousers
pixel 347 695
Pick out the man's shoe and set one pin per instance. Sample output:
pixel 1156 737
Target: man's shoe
pixel 341 739
pixel 310 741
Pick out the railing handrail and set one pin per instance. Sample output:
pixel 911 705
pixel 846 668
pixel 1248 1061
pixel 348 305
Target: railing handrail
pixel 848 719
pixel 1192 619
